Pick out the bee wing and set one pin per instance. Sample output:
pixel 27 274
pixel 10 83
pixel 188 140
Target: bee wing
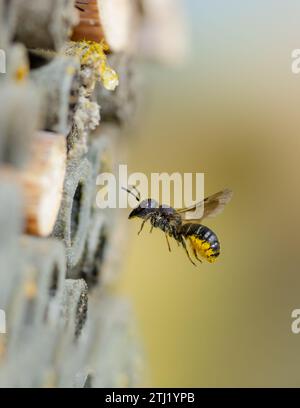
pixel 209 207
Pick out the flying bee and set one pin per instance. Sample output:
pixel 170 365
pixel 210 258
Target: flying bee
pixel 184 224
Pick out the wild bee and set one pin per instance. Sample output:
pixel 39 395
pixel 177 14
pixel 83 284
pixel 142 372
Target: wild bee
pixel 175 223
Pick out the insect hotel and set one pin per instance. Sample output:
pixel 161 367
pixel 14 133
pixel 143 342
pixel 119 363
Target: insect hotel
pixel 68 96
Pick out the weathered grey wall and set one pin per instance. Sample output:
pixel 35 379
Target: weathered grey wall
pixel 63 329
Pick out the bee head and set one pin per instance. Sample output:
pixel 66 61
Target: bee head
pixel 143 209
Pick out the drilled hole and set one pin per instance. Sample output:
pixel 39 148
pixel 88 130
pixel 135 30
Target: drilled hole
pixel 100 248
pixel 36 60
pixel 88 382
pixel 53 286
pixel 75 213
pixel 73 98
pixel 92 272
pixel 54 281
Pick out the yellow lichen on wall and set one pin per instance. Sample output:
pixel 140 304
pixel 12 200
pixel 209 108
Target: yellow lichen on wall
pixel 93 54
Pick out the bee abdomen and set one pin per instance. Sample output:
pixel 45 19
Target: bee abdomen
pixel 203 240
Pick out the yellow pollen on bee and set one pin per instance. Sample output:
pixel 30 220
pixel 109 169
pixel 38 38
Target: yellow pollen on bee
pixel 205 245
pixel 203 248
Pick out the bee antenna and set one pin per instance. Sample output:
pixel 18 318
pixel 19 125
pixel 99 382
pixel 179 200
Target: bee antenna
pixel 130 192
pixel 137 191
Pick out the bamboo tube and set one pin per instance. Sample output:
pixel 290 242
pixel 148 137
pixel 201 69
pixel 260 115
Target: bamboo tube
pixel 58 83
pixel 116 21
pixel 18 122
pixel 43 23
pixel 89 27
pixel 42 181
pixel 73 219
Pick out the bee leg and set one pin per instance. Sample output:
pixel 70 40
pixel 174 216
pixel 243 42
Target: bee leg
pixel 196 255
pixel 142 225
pixel 168 242
pixel 187 252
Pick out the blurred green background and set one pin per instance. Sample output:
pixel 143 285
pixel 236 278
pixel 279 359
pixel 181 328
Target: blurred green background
pixel 233 112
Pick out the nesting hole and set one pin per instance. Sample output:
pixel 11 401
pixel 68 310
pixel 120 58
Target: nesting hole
pixel 100 249
pixel 53 285
pixel 73 98
pixel 92 273
pixel 75 212
pixel 37 60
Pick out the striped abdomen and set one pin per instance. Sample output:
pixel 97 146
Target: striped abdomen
pixel 202 240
